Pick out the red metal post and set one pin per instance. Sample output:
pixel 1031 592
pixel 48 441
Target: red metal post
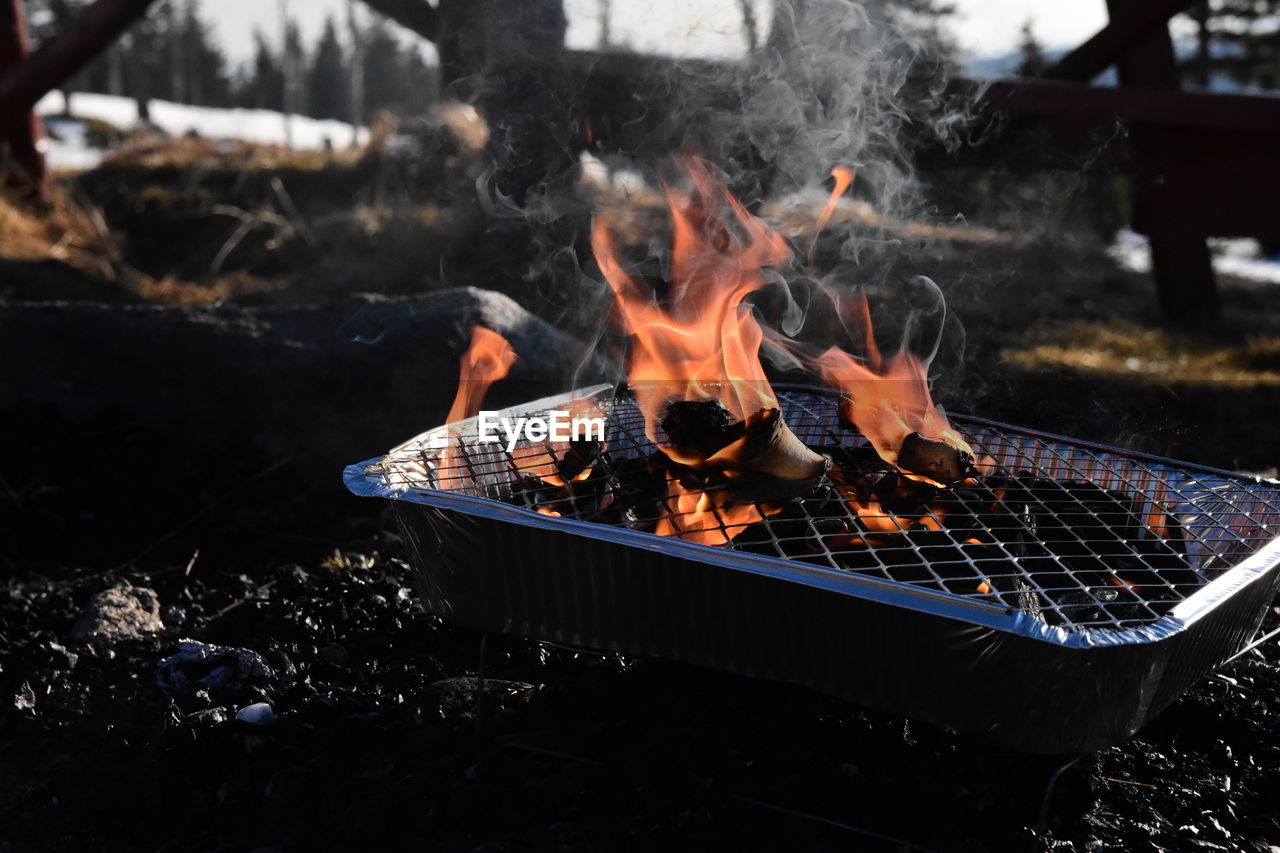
pixel 66 53
pixel 21 133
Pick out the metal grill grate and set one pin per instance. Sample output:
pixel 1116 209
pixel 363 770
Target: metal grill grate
pixel 1075 534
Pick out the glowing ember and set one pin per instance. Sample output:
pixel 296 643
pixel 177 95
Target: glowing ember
pixel 705 517
pixel 1116 580
pixel 874 518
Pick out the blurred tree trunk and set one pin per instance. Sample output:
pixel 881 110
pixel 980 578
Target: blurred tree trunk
pixel 507 57
pixel 1200 13
pixel 356 86
pixel 21 132
pixel 750 28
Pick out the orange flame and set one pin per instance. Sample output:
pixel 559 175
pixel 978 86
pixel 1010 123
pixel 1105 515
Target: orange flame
pixel 1116 580
pixel 702 342
pixel 844 180
pixel 872 515
pixel 890 399
pixel 487 359
pixel 705 517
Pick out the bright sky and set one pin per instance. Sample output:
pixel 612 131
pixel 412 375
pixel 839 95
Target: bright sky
pixel 983 27
pixel 993 27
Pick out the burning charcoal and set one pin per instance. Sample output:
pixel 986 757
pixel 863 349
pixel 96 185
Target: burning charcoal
pixel 632 520
pixel 903 496
pixel 831 526
pixel 541 497
pixel 937 460
pixel 1080 606
pixel 844 413
pixel 698 428
pixel 581 455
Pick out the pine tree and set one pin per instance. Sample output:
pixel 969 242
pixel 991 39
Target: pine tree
pixel 204 67
pixel 1033 62
pixel 396 78
pixel 1239 38
pixel 328 81
pixel 294 68
pixel 263 88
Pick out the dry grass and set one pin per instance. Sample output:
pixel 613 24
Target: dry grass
pixel 172 291
pixel 1120 349
pixel 209 155
pixel 60 229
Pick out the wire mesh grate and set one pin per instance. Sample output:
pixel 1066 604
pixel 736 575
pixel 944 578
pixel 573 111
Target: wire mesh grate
pixel 1075 535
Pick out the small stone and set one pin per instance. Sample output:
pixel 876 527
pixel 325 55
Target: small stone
pixel 61 658
pixel 258 714
pixel 24 699
pixel 123 612
pixel 203 668
pixel 207 718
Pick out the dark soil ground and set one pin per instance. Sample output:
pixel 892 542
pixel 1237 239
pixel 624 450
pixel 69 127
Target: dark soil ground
pixel 380 741
pixel 385 736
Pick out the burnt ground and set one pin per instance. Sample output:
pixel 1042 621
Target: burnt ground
pixel 376 741
pixel 378 738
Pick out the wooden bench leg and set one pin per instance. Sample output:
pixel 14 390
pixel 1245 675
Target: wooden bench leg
pixel 1184 277
pixel 1181 265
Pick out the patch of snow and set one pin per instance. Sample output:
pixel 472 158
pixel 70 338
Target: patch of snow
pixel 67 145
pixel 1237 257
pixel 259 126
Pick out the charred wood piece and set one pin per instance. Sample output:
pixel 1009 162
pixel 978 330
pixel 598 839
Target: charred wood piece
pixel 759 458
pixel 939 461
pixel 903 496
pixel 769 448
pixel 581 455
pixel 699 428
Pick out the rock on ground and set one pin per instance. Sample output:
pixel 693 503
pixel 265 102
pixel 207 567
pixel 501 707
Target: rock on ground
pixel 204 666
pixel 123 612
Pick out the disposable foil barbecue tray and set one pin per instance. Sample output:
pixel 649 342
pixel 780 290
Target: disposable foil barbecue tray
pixel 1056 609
